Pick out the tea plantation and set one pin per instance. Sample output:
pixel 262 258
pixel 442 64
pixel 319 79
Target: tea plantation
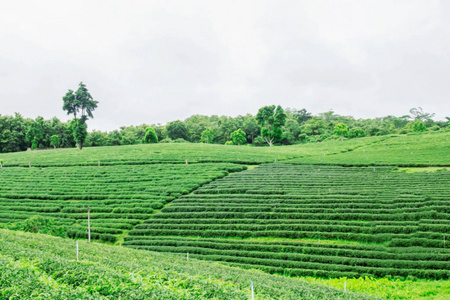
pixel 337 209
pixel 45 267
pixel 400 219
pixel 118 197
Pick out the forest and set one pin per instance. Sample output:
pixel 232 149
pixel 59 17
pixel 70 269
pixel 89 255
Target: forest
pixel 18 133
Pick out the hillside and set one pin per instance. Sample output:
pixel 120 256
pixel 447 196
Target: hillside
pixel 260 216
pixel 412 150
pixel 118 197
pixel 409 150
pixel 45 267
pixel 336 209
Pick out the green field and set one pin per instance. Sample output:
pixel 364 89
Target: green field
pixel 44 267
pixel 410 150
pixel 407 150
pixel 118 197
pixel 399 219
pixel 375 207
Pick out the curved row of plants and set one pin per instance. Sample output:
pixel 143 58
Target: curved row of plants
pixel 56 200
pixel 382 206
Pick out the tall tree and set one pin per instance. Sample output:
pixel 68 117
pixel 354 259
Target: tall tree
pixel 419 114
pixel 55 141
pixel 207 136
pixel 301 116
pixel 177 130
pixel 150 136
pixel 341 130
pixel 250 127
pixel 271 120
pixel 238 137
pixel 35 133
pixel 80 102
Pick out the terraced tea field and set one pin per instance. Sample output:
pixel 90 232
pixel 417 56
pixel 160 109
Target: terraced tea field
pixel 408 150
pixel 258 218
pixel 118 197
pixel 337 209
pixel 425 149
pixel 45 267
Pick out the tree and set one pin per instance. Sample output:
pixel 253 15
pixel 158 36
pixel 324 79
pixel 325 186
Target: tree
pixel 96 138
pixel 207 136
pixel 238 137
pixel 35 133
pixel 356 133
pixel 419 126
pixel 341 130
pixel 80 102
pixel 55 141
pixel 195 126
pixel 301 116
pixel 420 115
pixel 250 127
pixel 271 120
pixel 314 126
pixel 150 136
pixel 177 130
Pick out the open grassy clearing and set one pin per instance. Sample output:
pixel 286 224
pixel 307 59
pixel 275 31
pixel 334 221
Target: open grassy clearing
pixel 45 267
pixel 399 219
pixel 119 197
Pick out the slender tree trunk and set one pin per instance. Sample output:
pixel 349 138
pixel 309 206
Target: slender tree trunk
pixel 269 141
pixel 80 145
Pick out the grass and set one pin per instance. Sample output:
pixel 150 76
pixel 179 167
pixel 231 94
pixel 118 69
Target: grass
pixel 426 149
pixel 394 289
pixel 424 169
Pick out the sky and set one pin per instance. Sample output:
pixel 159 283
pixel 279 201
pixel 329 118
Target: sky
pixel 158 61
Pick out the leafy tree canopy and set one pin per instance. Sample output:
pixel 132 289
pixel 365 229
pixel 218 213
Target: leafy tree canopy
pixel 76 103
pixel 177 130
pixel 207 136
pixel 238 137
pixel 271 119
pixel 150 136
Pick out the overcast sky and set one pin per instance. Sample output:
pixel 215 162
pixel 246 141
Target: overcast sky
pixel 159 61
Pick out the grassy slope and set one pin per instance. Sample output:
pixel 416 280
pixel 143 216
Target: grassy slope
pixel 45 267
pixel 118 196
pixel 390 288
pixel 376 205
pixel 427 148
pixel 178 153
pixel 419 149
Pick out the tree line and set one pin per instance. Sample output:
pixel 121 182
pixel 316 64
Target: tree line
pixel 272 125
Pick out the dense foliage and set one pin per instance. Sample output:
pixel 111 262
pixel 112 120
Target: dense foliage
pixel 403 215
pixel 82 104
pixel 119 197
pixel 44 267
pixel 288 217
pixel 287 127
